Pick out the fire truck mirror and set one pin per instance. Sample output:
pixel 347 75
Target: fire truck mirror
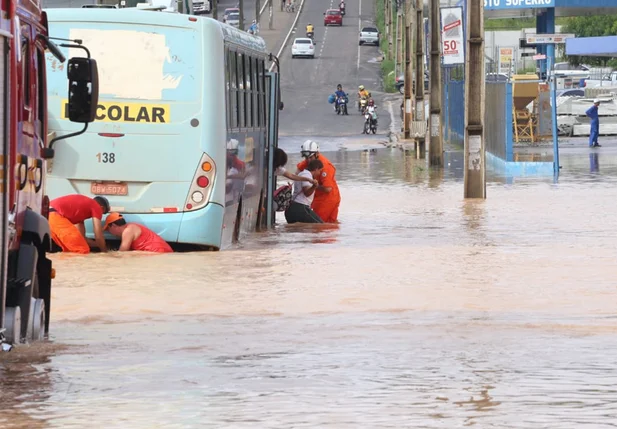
pixel 83 89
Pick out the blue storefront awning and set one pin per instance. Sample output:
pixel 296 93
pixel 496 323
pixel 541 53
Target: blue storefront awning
pixel 592 46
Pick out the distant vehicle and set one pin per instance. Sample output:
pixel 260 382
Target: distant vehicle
pixel 303 47
pixel 496 77
pixel 233 19
pixel 333 17
pixel 608 80
pixel 369 35
pixel 182 148
pixel 571 93
pixel 399 82
pixel 567 70
pixel 201 7
pixel 228 11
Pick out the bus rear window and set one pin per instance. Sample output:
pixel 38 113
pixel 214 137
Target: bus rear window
pixel 149 66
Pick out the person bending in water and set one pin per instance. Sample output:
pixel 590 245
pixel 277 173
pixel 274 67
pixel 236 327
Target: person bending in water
pixel 135 236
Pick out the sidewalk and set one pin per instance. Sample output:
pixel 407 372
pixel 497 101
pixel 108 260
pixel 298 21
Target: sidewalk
pixel 281 23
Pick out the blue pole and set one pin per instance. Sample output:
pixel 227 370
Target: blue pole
pixel 550 57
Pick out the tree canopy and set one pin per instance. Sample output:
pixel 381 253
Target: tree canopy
pixel 591 26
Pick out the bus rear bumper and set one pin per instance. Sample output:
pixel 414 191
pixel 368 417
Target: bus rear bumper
pixel 201 227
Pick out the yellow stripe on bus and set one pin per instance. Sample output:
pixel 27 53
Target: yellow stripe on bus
pixel 109 111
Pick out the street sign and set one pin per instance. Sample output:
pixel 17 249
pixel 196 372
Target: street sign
pixel 453 43
pixel 547 39
pixel 517 4
pixel 539 57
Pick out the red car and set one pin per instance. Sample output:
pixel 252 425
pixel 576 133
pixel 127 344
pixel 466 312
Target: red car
pixel 333 17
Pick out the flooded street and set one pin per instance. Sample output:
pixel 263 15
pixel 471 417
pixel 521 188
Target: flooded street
pixel 420 310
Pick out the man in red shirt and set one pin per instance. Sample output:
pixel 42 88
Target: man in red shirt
pixel 66 221
pixel 135 236
pixel 327 197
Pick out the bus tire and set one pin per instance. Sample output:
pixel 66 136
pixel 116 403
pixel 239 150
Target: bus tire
pixel 236 235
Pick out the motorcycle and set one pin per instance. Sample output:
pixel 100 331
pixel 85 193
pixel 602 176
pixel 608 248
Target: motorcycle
pixel 342 9
pixel 362 105
pixel 341 106
pixel 310 35
pixel 370 121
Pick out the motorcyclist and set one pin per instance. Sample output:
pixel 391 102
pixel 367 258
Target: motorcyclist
pixel 362 93
pixel 309 28
pixel 339 94
pixel 341 5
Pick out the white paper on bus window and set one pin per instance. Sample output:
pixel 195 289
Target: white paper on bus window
pixel 130 63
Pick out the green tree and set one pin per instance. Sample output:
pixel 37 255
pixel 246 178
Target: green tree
pixel 591 26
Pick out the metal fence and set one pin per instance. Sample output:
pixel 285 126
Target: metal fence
pixel 498 112
pixel 453 100
pixel 497 117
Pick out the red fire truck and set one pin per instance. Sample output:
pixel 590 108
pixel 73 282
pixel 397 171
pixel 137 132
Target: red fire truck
pixel 25 271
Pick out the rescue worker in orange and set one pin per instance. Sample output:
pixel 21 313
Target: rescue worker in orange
pixel 135 236
pixel 327 197
pixel 66 221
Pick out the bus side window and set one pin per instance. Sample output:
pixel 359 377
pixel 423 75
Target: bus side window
pixel 262 83
pixel 240 74
pixel 233 123
pixel 256 121
pixel 248 99
pixel 227 88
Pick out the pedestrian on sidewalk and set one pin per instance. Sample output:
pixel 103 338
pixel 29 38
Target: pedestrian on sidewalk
pixel 592 113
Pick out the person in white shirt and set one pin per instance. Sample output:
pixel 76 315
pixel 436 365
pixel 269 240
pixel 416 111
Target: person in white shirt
pixel 300 208
pixel 280 159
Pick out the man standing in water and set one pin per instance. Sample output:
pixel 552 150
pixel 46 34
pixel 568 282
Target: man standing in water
pixel 327 196
pixel 135 236
pixel 66 221
pixel 592 113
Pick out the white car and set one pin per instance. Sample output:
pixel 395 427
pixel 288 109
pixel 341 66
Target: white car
pixel 233 19
pixel 303 47
pixel 369 35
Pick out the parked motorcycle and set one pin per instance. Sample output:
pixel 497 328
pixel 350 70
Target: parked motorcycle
pixel 341 105
pixel 370 121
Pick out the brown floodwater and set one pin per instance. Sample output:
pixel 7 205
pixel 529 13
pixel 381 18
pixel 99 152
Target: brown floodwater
pixel 419 310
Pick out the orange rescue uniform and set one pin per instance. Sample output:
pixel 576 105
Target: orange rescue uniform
pixel 65 213
pixel 325 204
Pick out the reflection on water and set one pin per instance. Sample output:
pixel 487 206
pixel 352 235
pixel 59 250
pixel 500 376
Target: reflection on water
pixel 419 309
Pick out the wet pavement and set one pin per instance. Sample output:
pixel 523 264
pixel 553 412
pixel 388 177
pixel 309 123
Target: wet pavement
pixel 419 310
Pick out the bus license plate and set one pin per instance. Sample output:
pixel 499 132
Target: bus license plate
pixel 109 188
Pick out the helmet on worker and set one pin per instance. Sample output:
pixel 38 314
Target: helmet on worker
pixel 309 148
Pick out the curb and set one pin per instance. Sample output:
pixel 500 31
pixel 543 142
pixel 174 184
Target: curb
pixel 293 26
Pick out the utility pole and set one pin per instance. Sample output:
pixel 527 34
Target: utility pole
pixel 419 118
pixel 241 7
pixel 257 6
pixel 475 166
pixel 215 11
pixel 408 70
pixel 389 7
pixel 400 30
pixel 435 150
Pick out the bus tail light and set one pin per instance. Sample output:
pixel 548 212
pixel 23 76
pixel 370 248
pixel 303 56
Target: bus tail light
pixel 201 185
